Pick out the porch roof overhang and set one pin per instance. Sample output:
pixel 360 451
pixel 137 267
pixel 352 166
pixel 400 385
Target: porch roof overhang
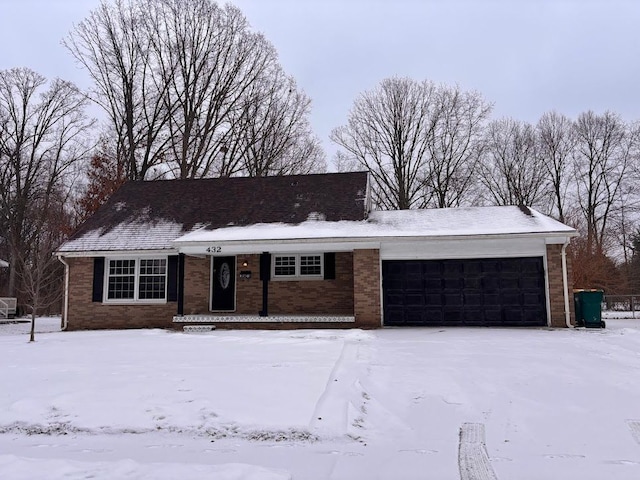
pixel 339 244
pixel 321 236
pixel 301 245
pixel 382 227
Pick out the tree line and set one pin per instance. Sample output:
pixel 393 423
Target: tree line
pixel 436 146
pixel 189 90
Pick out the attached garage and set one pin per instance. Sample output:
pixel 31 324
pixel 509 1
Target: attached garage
pixel 466 292
pixel 476 266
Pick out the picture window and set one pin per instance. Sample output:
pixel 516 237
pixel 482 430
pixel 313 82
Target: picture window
pixel 136 279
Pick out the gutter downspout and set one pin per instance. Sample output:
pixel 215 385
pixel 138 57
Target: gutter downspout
pixel 65 308
pixel 565 285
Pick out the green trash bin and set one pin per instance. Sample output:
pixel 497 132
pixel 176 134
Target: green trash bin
pixel 589 308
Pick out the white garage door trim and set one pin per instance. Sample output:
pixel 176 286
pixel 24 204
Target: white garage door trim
pixel 432 249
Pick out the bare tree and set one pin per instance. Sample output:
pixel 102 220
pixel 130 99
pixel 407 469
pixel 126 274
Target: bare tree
pixel 40 271
pixel 511 171
pixel 114 46
pixel 387 133
pixel 346 163
pixel 557 141
pixel 604 152
pixel 42 135
pixel 634 261
pixel 271 134
pixel 455 146
pixel 210 62
pixel 180 79
pixel 305 156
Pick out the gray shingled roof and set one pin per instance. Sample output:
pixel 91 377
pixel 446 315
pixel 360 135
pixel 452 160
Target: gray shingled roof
pixel 149 215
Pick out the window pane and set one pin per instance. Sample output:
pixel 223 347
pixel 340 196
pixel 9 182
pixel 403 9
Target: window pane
pixel 152 279
pixel 121 283
pixel 121 287
pixel 156 266
pixel 122 267
pixel 310 265
pixel 151 287
pixel 285 266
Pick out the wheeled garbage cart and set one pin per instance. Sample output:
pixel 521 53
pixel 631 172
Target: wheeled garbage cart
pixel 589 308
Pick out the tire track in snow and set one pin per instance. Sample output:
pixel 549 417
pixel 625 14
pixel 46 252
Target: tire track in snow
pixel 331 415
pixel 473 460
pixel 634 426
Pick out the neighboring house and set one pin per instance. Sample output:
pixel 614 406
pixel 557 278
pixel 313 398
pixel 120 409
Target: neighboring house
pixel 306 251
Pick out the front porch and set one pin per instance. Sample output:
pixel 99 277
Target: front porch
pixel 207 322
pixel 255 298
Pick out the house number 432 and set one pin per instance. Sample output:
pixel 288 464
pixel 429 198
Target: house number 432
pixel 214 249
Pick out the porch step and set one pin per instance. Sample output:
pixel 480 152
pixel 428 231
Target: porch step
pixel 270 319
pixel 198 328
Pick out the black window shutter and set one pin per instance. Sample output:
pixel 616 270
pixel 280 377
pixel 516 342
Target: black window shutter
pixel 265 266
pixel 330 266
pixel 172 278
pixel 98 279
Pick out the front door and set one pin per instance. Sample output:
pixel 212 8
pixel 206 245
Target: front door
pixel 223 284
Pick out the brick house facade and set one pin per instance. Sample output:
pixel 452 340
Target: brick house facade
pixel 308 252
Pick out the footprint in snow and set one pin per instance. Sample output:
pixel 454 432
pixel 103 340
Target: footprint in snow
pixel 564 455
pixel 418 450
pixel 621 462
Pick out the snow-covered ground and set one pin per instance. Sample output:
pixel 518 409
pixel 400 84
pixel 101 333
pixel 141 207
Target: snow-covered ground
pixel 318 404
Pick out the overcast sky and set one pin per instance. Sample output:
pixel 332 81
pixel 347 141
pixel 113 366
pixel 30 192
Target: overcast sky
pixel 525 56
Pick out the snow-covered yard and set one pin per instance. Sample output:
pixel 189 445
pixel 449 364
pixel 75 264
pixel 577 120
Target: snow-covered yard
pixel 311 404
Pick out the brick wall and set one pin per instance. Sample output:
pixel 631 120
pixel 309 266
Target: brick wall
pixel 356 290
pixel 311 297
pixel 556 286
pixel 197 277
pixel 366 288
pixel 84 314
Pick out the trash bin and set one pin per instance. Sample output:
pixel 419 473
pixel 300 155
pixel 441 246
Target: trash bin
pixel 589 308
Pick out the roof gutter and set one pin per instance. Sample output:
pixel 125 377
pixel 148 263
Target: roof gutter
pixel 65 306
pixel 106 253
pixel 378 239
pixel 565 285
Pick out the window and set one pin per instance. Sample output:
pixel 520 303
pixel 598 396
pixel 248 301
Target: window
pixel 298 266
pixel 122 279
pixel 134 279
pixel 310 265
pixel 153 276
pixel 285 266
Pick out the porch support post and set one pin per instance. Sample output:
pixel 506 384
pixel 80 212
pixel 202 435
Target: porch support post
pixel 265 276
pixel 181 284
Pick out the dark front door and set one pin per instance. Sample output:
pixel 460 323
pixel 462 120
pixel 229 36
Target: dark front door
pixel 485 291
pixel 223 284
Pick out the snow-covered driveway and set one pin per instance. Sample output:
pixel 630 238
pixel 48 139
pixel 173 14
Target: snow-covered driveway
pixel 311 404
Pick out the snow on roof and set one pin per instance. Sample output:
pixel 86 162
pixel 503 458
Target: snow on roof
pixel 444 222
pixel 138 235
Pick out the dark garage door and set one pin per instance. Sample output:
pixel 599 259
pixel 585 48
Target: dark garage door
pixel 485 291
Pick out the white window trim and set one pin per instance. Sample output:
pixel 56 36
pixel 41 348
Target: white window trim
pixel 297 275
pixel 136 288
